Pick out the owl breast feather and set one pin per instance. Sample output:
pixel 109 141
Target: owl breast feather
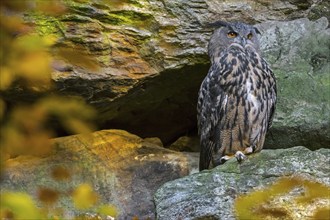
pixel 238 101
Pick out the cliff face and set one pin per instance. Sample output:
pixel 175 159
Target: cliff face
pixel 153 58
pixel 299 53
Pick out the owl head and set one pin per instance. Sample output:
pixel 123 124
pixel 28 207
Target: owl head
pixel 229 34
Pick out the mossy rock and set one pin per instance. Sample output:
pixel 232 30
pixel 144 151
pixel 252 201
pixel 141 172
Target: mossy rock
pixel 212 194
pixel 153 57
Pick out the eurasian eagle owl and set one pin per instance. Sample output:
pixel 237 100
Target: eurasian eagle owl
pixel 237 98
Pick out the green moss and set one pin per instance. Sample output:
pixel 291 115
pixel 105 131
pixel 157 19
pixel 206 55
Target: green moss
pixel 128 18
pixel 107 14
pixel 321 9
pixel 231 166
pixel 46 25
pixel 75 18
pixel 112 3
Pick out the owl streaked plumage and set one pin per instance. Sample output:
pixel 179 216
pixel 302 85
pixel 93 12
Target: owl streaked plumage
pixel 237 98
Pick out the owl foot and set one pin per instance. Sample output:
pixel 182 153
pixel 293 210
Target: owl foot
pixel 224 159
pixel 249 150
pixel 240 156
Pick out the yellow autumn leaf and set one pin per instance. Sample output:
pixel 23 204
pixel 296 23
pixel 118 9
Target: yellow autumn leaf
pixel 28 117
pixel 16 5
pixel 108 210
pixel 246 205
pixel 24 132
pixel 38 143
pixel 6 77
pixel 13 24
pixel 251 205
pixel 60 173
pixel 314 190
pixel 73 113
pixel 49 40
pixel 20 205
pixel 50 7
pixel 77 126
pixel 64 107
pixel 322 213
pixel 28 43
pixel 2 109
pixel 84 197
pixel 35 66
pixel 47 196
pixel 12 141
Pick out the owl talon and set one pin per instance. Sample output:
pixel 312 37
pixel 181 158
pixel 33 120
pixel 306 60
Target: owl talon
pixel 224 159
pixel 240 156
pixel 249 150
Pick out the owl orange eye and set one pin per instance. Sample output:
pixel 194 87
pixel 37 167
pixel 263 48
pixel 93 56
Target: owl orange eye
pixel 249 36
pixel 231 34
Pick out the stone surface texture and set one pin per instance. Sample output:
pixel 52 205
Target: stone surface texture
pixel 153 57
pixel 122 168
pixel 211 194
pixel 299 53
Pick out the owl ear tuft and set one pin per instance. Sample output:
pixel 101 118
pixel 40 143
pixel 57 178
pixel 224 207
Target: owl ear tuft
pixel 257 30
pixel 217 24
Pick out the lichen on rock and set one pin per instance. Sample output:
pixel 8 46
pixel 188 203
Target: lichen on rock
pixel 212 193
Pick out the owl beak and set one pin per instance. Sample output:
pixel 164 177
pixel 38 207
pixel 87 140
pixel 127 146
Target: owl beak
pixel 243 41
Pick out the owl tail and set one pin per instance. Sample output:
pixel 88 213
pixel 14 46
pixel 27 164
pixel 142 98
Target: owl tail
pixel 205 155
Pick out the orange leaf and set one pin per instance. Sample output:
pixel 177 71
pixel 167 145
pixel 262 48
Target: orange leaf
pixel 48 196
pixel 35 66
pixel 50 7
pixel 14 24
pixel 6 78
pixel 60 173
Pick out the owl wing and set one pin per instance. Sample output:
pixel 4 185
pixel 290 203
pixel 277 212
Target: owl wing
pixel 272 109
pixel 272 93
pixel 212 101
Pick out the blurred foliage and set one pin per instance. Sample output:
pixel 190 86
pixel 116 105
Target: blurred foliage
pixel 108 210
pixel 27 60
pixel 60 174
pixel 84 197
pixel 25 130
pixel 16 205
pixel 260 204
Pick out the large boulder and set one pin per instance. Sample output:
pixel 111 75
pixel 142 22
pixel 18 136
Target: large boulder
pixel 211 194
pixel 299 53
pixel 153 58
pixel 122 168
